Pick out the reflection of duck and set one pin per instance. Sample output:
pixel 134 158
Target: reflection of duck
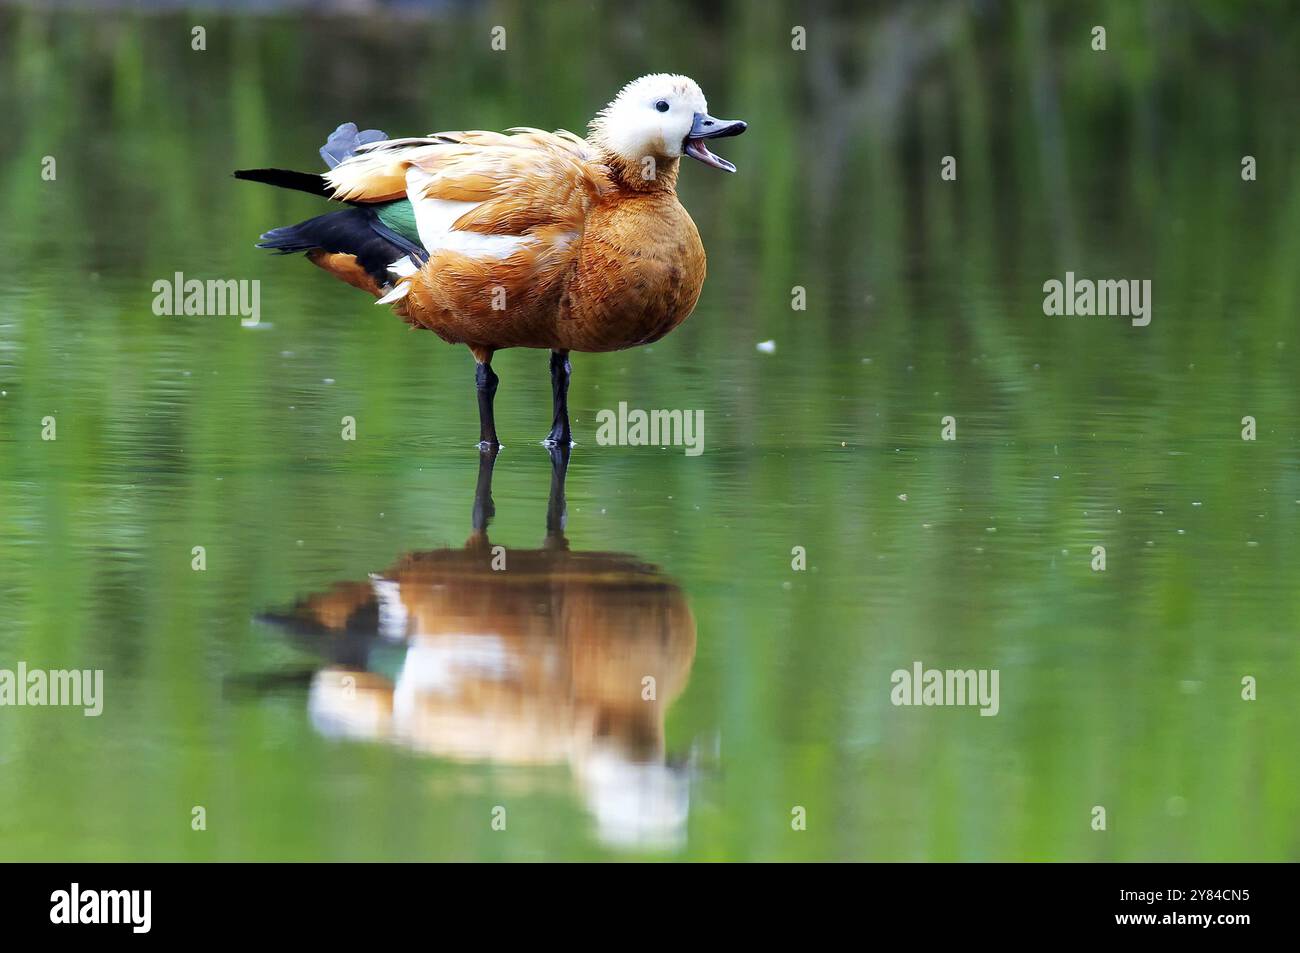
pixel 544 659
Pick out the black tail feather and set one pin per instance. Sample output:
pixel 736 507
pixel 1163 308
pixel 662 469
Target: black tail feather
pixel 353 231
pixel 310 182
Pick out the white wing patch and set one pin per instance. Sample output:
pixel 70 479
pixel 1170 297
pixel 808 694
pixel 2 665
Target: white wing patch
pixel 403 268
pixel 441 664
pixel 393 617
pixel 434 219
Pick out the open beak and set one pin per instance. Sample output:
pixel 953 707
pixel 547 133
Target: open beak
pixel 706 127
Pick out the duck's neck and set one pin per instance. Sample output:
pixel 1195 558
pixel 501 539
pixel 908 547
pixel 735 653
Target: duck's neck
pixel 648 176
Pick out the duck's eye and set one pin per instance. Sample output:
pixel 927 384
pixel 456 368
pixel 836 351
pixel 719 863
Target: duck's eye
pixel 662 105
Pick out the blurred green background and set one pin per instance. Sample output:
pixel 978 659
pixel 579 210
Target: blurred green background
pixel 1119 689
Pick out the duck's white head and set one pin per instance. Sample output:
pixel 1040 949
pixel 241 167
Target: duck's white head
pixel 661 116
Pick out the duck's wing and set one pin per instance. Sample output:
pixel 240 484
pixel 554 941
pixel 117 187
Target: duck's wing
pixel 483 194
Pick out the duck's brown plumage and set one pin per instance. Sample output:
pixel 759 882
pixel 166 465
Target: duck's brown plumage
pixel 603 261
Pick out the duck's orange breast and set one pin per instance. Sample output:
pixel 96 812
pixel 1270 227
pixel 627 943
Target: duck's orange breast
pixel 638 275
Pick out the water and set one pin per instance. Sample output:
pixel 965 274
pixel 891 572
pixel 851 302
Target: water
pixel 524 691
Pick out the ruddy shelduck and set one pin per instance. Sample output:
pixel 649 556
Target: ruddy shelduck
pixel 526 239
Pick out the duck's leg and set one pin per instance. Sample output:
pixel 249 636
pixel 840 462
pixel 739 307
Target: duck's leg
pixel 486 383
pixel 560 435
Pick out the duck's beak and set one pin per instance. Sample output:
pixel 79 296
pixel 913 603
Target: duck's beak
pixel 706 127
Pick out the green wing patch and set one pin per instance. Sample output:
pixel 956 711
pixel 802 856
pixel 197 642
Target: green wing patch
pixel 400 217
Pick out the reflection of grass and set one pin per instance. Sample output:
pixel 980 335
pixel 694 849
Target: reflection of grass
pixel 1122 164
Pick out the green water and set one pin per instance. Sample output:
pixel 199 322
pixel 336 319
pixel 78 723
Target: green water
pixel 1120 689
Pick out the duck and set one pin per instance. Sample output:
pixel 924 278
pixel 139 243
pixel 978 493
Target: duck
pixel 525 238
